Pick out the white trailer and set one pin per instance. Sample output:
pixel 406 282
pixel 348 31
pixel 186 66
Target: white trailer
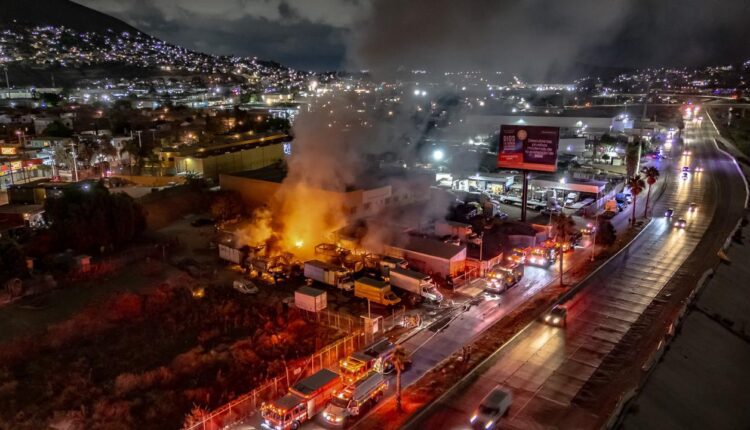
pixel 231 254
pixel 415 283
pixel 310 299
pixel 329 274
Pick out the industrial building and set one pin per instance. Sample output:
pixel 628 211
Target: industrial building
pixel 431 256
pixel 210 161
pixel 374 193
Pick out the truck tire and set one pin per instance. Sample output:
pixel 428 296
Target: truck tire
pixel 295 425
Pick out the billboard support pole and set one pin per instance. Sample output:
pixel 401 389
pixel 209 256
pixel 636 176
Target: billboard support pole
pixel 525 194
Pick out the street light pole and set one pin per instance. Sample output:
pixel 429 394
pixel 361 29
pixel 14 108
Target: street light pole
pixel 595 229
pixel 481 248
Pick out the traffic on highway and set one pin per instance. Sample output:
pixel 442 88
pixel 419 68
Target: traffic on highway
pixel 549 366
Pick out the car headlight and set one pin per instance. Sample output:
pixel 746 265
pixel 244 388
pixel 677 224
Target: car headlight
pixel 547 318
pixel 488 425
pixel 473 418
pixel 556 320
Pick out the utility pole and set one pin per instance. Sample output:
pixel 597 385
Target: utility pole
pixel 7 81
pixel 75 161
pixel 481 248
pixel 140 149
pixel 595 229
pixel 524 194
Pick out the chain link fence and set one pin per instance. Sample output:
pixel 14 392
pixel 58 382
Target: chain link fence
pixel 326 357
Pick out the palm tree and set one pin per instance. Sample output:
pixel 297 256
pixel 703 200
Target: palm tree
pixel 399 361
pixel 636 185
pixel 563 227
pixel 133 150
pixel 652 174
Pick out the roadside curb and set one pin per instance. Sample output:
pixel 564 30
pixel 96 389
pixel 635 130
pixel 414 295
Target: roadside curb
pixel 733 158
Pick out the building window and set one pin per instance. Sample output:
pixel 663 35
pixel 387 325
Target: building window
pixel 367 206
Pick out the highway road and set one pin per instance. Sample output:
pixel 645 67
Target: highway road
pixel 547 368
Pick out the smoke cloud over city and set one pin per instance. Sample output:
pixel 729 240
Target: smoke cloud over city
pixel 539 37
pixel 521 38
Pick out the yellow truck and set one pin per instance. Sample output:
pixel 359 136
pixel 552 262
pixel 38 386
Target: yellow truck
pixel 375 291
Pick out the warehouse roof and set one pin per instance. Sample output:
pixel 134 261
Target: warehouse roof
pixel 432 247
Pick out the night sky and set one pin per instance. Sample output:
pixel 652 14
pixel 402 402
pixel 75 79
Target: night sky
pixel 535 38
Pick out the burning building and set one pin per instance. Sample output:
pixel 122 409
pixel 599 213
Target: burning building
pixel 304 215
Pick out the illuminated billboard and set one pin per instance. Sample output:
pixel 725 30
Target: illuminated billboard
pixel 527 147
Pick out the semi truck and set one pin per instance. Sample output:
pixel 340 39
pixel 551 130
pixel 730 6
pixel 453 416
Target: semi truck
pixel 354 398
pixel 304 400
pixel 376 357
pixel 329 274
pixel 375 291
pixel 416 283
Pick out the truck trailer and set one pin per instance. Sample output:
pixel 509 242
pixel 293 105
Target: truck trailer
pixel 305 399
pixel 329 274
pixel 416 283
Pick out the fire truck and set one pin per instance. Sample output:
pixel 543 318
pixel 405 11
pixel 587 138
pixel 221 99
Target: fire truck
pixel 542 256
pixel 518 255
pixel 350 401
pixel 375 357
pixel 503 276
pixel 305 400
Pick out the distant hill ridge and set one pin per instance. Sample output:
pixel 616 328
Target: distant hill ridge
pixel 59 13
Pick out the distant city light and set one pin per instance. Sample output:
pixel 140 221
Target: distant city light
pixel 438 154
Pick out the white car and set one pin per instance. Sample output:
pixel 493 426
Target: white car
pixel 245 286
pixel 493 407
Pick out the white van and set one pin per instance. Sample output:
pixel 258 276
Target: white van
pixel 494 406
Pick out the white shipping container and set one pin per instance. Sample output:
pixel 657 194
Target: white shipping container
pixel 310 299
pixel 230 254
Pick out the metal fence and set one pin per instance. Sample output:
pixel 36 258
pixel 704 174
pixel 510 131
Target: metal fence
pixel 245 405
pixel 338 320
